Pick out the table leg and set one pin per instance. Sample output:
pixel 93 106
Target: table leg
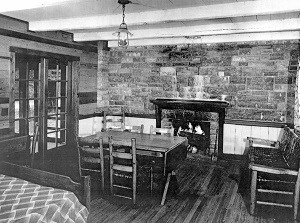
pixel 165 164
pixel 166 189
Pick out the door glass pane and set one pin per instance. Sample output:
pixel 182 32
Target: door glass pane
pixel 17 126
pixel 17 108
pixel 31 74
pixel 33 108
pixel 52 105
pixel 31 124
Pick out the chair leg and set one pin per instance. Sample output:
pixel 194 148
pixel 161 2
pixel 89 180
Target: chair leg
pixel 296 198
pixel 151 180
pixel 253 191
pixel 166 189
pixel 102 168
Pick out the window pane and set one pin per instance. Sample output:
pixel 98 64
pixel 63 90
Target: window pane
pixel 31 74
pixel 17 109
pixel 31 124
pixel 52 106
pixel 62 137
pixel 17 126
pixel 33 108
pixel 17 73
pixel 51 123
pixel 63 104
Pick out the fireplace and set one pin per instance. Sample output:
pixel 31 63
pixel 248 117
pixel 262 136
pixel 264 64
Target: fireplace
pixel 199 109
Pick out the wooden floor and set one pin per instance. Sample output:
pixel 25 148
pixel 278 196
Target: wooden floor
pixel 208 192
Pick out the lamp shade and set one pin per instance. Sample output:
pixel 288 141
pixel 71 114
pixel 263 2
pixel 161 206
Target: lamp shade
pixel 123 35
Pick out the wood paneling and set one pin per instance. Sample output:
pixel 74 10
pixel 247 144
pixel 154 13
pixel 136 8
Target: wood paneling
pixel 235 136
pixel 87 90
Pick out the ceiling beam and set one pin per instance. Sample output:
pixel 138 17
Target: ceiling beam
pixel 245 37
pixel 16 5
pixel 248 8
pixel 198 30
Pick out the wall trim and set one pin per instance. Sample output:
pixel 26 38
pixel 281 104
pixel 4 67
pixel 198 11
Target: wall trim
pixel 100 114
pixel 258 123
pixel 45 54
pixel 227 121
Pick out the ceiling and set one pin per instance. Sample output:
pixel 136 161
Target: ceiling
pixel 163 21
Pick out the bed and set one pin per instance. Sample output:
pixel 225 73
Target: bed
pixel 32 195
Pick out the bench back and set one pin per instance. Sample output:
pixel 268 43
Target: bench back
pixel 290 147
pixel 10 147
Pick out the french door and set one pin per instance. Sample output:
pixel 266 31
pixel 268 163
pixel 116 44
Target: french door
pixel 42 94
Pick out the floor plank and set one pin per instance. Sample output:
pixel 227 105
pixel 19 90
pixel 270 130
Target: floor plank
pixel 208 192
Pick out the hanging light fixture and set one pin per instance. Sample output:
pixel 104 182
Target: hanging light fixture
pixel 123 33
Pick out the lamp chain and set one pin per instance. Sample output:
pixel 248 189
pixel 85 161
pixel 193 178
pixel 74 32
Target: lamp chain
pixel 123 8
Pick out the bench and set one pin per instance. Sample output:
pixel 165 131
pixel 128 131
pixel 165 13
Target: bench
pixel 275 169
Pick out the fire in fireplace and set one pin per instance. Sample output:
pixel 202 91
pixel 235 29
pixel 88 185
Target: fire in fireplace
pixel 195 126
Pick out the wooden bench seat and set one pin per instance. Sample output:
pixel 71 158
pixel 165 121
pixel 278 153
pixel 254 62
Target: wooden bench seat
pixel 274 163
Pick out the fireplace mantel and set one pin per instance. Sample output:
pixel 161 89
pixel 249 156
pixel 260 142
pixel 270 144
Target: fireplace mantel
pixel 205 105
pixel 209 105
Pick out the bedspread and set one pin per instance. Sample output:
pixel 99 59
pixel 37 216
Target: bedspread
pixel 22 201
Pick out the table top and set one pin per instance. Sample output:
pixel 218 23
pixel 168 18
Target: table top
pixel 148 142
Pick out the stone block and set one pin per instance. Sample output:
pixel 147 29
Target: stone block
pixel 245 51
pixel 203 71
pixel 270 73
pixel 168 71
pixel 266 51
pixel 139 59
pixel 155 93
pixel 269 83
pixel 280 96
pixel 252 58
pixel 237 80
pixel 265 56
pixel 281 80
pixel 277 56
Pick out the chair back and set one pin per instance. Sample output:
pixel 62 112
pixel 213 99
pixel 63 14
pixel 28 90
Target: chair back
pixel 92 161
pixel 123 166
pixel 169 131
pixel 134 128
pixel 115 122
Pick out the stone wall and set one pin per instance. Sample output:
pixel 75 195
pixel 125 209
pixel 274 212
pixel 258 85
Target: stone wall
pixel 254 76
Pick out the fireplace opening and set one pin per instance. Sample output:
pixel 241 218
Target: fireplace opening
pixel 194 125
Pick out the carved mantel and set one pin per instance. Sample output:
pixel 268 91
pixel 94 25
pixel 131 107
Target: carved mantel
pixel 205 105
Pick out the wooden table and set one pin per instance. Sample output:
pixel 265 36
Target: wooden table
pixel 146 144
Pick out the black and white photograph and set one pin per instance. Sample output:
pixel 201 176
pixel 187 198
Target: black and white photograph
pixel 150 111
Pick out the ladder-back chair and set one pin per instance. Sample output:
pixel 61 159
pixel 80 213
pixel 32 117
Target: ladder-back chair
pixel 92 160
pixel 114 122
pixel 123 168
pixel 134 128
pixel 168 131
